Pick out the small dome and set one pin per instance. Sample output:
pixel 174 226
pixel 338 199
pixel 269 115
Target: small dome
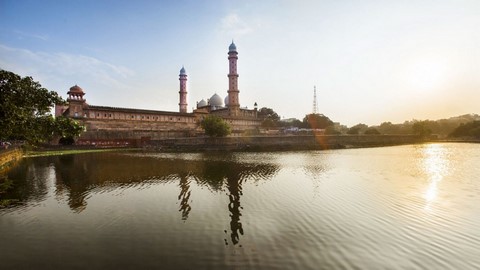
pixel 216 100
pixel 232 47
pixel 202 103
pixel 76 89
pixel 182 71
pixel 226 100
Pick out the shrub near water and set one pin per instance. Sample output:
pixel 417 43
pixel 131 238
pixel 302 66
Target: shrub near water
pixel 215 126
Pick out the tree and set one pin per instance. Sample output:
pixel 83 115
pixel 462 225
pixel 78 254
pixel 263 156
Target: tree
pixel 421 128
pixel 317 121
pixel 471 129
pixel 357 129
pixel 331 130
pixel 269 116
pixel 67 129
pixel 372 131
pixel 25 109
pixel 215 126
pixel 388 128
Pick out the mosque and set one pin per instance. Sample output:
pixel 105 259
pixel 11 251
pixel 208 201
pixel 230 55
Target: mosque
pixel 112 125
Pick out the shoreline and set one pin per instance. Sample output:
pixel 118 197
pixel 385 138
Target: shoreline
pixel 226 144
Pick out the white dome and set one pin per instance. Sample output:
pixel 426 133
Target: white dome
pixel 216 100
pixel 202 103
pixel 226 100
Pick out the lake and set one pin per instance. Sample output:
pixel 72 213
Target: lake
pixel 401 207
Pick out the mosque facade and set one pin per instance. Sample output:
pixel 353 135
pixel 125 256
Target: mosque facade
pixel 113 125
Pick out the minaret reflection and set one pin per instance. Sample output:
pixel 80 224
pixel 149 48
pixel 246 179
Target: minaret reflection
pixel 234 186
pixel 223 173
pixel 184 197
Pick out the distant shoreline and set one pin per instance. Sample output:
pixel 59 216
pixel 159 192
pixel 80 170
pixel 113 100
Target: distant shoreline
pixel 239 144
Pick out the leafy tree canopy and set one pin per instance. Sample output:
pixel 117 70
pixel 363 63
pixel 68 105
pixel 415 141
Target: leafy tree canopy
pixel 67 127
pixel 372 131
pixel 215 126
pixel 317 121
pixel 357 129
pixel 269 116
pixel 421 128
pixel 25 111
pixel 331 130
pixel 471 129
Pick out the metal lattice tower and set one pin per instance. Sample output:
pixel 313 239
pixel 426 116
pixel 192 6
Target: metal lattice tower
pixel 315 106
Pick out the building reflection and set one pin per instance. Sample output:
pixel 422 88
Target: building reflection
pixel 234 186
pixel 75 178
pixel 184 197
pixel 315 164
pixel 230 175
pixel 71 173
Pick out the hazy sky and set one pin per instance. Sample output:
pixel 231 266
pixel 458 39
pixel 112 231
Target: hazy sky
pixel 371 61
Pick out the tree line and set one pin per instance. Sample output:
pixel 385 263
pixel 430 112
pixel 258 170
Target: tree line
pixel 459 126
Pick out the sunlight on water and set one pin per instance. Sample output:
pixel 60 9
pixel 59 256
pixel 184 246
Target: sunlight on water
pixel 436 168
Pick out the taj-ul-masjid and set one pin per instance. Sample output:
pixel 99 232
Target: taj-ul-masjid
pixel 122 125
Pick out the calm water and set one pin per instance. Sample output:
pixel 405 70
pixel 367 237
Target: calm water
pixel 403 207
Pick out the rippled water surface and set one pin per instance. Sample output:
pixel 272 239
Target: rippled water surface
pixel 403 207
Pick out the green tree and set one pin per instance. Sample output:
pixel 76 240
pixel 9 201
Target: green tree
pixel 331 130
pixel 372 131
pixel 357 129
pixel 269 116
pixel 215 126
pixel 67 128
pixel 421 128
pixel 317 121
pixel 25 109
pixel 471 129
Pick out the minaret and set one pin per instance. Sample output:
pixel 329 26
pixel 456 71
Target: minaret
pixel 233 102
pixel 183 91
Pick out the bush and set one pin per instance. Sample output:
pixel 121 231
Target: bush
pixel 215 126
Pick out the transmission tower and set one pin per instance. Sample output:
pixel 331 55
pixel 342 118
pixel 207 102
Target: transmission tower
pixel 315 106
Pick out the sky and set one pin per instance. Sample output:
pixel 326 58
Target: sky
pixel 371 61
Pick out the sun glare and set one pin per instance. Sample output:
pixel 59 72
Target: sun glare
pixel 435 167
pixel 427 74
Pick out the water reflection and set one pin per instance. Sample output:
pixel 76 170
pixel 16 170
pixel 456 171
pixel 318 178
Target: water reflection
pixel 137 210
pixel 232 175
pixel 234 185
pixel 435 165
pixel 184 197
pixel 29 183
pixel 76 178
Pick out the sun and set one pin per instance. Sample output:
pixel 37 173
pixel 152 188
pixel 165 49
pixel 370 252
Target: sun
pixel 427 74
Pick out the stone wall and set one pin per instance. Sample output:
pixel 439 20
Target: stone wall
pixel 132 132
pixel 135 132
pixel 274 143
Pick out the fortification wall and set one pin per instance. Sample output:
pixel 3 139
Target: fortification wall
pixel 135 132
pixel 274 143
pixel 131 133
